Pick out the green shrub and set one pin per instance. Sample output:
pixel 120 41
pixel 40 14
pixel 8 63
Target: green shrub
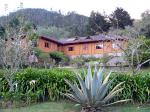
pixel 58 57
pixel 136 87
pixel 49 84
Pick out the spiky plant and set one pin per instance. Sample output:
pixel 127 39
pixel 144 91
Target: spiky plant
pixel 92 91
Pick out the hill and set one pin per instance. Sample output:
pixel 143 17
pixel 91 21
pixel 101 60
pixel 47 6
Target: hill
pixel 72 22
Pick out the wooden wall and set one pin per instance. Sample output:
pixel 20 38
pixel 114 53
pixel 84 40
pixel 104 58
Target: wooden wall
pixel 52 46
pixel 91 50
pixel 78 49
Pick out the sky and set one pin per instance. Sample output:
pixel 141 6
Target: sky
pixel 84 7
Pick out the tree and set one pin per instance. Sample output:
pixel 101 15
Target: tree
pixel 144 24
pixel 43 57
pixel 120 18
pixel 14 50
pixel 97 24
pixel 146 30
pixel 58 57
pixel 2 32
pixel 71 22
pixel 53 31
pixel 136 53
pixel 75 24
pixel 129 32
pixel 14 23
pixel 12 57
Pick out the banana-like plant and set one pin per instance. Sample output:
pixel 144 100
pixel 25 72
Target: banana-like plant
pixel 92 91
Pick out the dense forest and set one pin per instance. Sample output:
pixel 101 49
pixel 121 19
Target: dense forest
pixel 56 24
pixel 45 21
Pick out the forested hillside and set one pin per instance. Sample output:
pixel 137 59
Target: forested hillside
pixel 56 24
pixel 73 23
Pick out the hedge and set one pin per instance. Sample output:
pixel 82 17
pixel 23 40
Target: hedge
pixel 136 87
pixel 50 84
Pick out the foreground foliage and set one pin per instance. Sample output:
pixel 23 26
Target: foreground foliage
pixel 137 87
pixel 35 85
pixel 92 93
pixel 49 84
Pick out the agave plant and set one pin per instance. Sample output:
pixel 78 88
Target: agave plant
pixel 92 91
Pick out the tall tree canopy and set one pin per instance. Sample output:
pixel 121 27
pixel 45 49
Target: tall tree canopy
pixel 70 22
pixel 121 18
pixel 2 32
pixel 97 23
pixel 144 24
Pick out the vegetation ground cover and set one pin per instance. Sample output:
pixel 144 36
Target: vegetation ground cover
pixel 69 107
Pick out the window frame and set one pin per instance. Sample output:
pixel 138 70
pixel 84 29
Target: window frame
pixel 99 46
pixel 46 45
pixel 71 48
pixel 114 46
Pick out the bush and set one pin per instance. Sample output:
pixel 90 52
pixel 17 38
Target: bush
pixel 39 85
pixel 58 57
pixel 136 87
pixel 49 84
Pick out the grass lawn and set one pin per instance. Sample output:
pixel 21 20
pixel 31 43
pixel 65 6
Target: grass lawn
pixel 69 107
pixel 45 107
pixel 130 108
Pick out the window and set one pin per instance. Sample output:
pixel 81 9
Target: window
pixel 99 46
pixel 85 46
pixel 70 48
pixel 47 44
pixel 114 46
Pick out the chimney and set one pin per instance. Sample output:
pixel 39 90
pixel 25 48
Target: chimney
pixel 88 37
pixel 76 38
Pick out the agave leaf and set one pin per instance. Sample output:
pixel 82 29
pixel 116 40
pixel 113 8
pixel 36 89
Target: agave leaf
pixel 88 78
pixel 103 94
pixel 77 91
pixel 94 86
pixel 100 79
pixel 120 101
pixel 76 105
pixel 89 96
pixel 83 87
pixel 72 97
pixel 93 90
pixel 100 76
pixel 100 90
pixel 107 77
pixel 110 96
pixel 116 87
pixel 95 70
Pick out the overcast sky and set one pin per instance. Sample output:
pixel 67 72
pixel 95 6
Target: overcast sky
pixel 134 7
